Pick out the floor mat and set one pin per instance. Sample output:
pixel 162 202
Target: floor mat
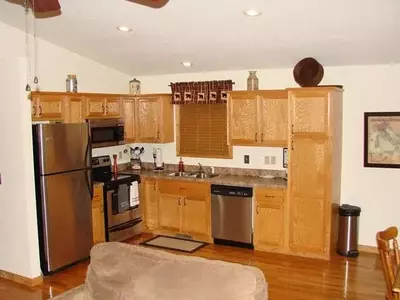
pixel 174 243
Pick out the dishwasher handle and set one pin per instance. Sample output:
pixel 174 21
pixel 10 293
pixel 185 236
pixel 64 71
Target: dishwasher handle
pixel 233 191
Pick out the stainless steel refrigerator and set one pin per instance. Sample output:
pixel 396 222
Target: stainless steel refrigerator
pixel 64 189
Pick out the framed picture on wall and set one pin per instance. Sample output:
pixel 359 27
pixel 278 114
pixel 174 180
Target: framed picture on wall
pixel 382 139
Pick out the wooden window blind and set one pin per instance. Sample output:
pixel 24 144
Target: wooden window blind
pixel 202 131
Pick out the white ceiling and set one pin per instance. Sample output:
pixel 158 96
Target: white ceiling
pixel 215 35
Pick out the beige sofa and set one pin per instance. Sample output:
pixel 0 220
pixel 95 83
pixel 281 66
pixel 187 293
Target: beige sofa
pixel 124 272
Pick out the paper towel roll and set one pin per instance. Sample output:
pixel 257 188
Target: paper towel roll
pixel 159 161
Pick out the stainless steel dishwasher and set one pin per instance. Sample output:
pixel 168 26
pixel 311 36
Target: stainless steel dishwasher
pixel 231 215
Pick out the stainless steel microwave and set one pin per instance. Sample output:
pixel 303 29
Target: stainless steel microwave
pixel 106 132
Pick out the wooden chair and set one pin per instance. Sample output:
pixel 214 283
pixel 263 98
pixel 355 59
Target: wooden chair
pixel 389 258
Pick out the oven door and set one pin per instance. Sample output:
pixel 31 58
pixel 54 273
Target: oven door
pixel 106 133
pixel 118 209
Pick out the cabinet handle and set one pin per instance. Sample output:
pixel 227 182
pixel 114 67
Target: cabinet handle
pixel 40 110
pixel 106 109
pixel 268 196
pixel 34 110
pixel 256 137
pixel 182 189
pixel 292 128
pixel 184 201
pixel 158 134
pixel 257 209
pixel 154 186
pixel 179 201
pixel 292 143
pixel 103 109
pixel 262 137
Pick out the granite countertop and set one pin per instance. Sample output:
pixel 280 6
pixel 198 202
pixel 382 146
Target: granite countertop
pixel 235 180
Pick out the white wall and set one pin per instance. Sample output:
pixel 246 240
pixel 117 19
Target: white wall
pixel 367 88
pixel 18 229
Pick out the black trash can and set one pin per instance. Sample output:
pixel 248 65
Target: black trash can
pixel 348 230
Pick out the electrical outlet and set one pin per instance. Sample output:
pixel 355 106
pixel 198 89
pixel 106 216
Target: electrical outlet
pixel 120 155
pixel 0 178
pixel 273 160
pixel 266 160
pixel 246 159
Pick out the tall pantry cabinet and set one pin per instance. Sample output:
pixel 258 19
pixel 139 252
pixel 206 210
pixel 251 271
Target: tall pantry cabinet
pixel 315 124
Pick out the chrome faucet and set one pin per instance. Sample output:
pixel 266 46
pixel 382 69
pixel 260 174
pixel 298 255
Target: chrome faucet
pixel 201 170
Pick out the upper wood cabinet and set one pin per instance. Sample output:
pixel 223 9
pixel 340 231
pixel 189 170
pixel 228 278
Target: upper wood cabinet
pixel 47 107
pixel 103 106
pixel 258 118
pixel 74 109
pixel 129 119
pixel 314 170
pixel 154 119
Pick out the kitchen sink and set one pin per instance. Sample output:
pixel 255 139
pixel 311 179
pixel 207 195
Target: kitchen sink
pixel 204 175
pixel 181 174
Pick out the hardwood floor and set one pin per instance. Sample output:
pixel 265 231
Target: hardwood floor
pixel 288 277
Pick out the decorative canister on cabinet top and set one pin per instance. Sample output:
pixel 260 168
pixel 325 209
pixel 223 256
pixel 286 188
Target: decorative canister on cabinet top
pixel 72 84
pixel 252 81
pixel 134 87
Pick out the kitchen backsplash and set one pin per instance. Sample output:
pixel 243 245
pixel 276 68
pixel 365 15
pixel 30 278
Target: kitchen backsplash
pixel 259 156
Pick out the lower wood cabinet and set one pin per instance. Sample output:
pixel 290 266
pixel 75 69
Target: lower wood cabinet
pixel 98 215
pixel 185 208
pixel 149 192
pixel 269 220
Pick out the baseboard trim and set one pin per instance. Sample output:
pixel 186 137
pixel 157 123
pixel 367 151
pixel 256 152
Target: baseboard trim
pixel 368 249
pixel 21 279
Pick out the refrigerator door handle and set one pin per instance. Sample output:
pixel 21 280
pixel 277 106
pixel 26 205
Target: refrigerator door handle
pixel 89 178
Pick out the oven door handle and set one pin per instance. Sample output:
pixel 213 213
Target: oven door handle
pixel 125 225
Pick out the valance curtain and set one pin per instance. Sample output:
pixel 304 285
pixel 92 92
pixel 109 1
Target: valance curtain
pixel 201 92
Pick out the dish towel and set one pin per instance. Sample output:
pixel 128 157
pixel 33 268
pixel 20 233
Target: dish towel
pixel 134 200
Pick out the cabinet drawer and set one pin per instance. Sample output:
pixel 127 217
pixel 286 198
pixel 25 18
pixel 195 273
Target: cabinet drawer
pixel 268 194
pixel 193 190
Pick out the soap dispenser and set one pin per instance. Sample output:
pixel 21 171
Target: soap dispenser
pixel 180 165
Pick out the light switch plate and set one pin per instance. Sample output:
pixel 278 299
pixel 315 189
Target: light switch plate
pixel 273 160
pixel 266 160
pixel 246 159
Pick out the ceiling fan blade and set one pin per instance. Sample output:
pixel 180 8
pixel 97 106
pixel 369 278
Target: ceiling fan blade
pixel 151 3
pixel 44 6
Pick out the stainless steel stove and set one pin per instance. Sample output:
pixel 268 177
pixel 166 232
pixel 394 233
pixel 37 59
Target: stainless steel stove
pixel 122 211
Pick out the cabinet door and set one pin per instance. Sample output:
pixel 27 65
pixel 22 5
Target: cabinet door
pixel 170 212
pixel 269 223
pixel 98 223
pixel 274 122
pixel 95 106
pixel 309 112
pixel 113 107
pixel 148 120
pixel 150 213
pixel 308 191
pixel 243 119
pixel 74 110
pixel 129 120
pixel 50 107
pixel 196 217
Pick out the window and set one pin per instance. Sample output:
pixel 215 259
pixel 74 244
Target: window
pixel 202 131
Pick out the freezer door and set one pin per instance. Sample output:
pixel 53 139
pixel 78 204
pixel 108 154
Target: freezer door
pixel 63 147
pixel 66 215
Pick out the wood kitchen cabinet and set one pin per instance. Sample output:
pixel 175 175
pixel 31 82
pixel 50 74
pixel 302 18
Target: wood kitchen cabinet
pixel 270 220
pixel 258 118
pixel 150 204
pixel 74 109
pixel 103 106
pixel 314 170
pixel 129 119
pixel 98 215
pixel 154 119
pixel 185 208
pixel 47 107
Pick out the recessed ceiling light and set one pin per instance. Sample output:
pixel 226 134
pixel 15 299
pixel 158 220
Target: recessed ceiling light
pixel 252 12
pixel 186 64
pixel 124 28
